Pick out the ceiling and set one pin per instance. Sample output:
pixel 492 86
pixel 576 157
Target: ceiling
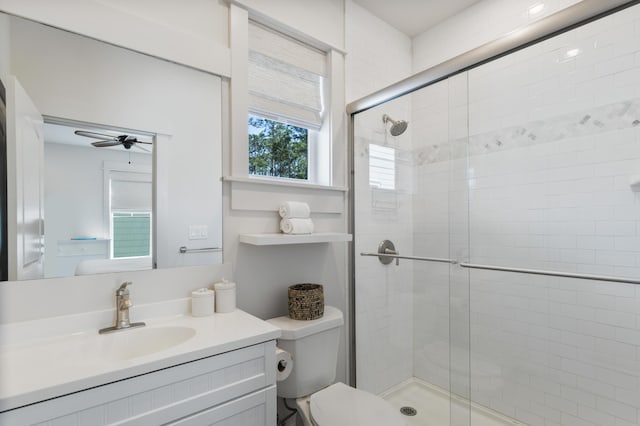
pixel 413 17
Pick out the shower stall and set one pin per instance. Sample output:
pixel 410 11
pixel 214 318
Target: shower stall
pixel 496 221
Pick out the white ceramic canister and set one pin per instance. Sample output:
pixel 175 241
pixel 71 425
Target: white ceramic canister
pixel 202 302
pixel 225 296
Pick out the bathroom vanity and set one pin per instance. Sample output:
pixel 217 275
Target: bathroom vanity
pixel 178 370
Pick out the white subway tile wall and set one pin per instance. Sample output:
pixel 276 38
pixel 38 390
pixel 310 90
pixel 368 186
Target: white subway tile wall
pixel 378 56
pixel 554 144
pixel 526 161
pixel 384 293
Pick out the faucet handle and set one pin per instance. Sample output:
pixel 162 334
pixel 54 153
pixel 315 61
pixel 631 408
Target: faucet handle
pixel 122 290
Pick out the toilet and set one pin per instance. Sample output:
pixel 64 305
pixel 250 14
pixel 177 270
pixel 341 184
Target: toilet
pixel 313 346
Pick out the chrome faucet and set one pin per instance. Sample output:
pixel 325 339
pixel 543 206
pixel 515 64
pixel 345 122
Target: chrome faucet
pixel 123 303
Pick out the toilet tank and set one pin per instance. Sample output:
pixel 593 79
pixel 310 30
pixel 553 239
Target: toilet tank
pixel 313 346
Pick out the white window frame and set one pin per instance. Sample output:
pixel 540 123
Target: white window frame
pixel 382 167
pixel 327 155
pixel 146 175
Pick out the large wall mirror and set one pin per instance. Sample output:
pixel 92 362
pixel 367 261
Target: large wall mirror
pixel 113 157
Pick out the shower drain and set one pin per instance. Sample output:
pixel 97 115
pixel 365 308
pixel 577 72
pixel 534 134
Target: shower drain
pixel 408 411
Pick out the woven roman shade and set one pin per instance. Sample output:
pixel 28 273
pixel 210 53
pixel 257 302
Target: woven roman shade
pixel 286 78
pixel 130 192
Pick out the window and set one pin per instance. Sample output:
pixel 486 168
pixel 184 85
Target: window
pixel 130 213
pixel 382 167
pixel 277 149
pixel 131 234
pixel 287 83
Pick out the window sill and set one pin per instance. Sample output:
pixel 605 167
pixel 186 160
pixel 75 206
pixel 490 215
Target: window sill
pixel 283 182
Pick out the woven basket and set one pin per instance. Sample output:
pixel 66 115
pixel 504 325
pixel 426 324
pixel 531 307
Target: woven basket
pixel 306 301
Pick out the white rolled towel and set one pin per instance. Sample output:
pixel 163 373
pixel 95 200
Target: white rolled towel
pixel 296 225
pixel 291 209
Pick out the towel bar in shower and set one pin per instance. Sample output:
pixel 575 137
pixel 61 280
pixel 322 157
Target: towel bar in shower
pixel 387 252
pixel 397 256
pixel 552 273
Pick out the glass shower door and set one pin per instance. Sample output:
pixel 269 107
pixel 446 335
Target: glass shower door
pixel 524 173
pixel 406 184
pixel 554 152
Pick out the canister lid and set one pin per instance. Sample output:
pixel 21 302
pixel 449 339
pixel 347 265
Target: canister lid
pixel 202 292
pixel 224 285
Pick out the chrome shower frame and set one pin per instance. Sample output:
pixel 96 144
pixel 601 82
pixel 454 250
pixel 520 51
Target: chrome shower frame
pixel 565 20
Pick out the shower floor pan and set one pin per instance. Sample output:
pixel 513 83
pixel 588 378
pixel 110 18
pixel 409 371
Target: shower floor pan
pixel 434 406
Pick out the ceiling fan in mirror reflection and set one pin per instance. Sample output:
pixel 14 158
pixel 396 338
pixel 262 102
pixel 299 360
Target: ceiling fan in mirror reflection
pixel 127 141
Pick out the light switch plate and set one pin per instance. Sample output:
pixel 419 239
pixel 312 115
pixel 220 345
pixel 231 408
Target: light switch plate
pixel 198 232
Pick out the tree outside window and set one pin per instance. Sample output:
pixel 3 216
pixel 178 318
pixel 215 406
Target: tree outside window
pixel 277 149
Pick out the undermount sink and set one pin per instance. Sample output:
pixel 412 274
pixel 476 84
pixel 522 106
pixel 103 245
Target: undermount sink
pixel 134 343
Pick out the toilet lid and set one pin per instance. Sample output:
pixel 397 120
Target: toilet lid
pixel 340 404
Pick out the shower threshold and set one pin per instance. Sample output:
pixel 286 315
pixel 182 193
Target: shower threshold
pixel 435 406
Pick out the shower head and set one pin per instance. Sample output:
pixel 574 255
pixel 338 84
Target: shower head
pixel 397 127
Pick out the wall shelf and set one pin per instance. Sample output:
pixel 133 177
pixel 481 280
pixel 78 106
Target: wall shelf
pixel 283 239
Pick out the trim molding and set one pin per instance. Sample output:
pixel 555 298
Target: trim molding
pixel 283 182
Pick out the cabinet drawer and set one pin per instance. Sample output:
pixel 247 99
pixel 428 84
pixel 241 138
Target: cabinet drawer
pixel 256 409
pixel 158 397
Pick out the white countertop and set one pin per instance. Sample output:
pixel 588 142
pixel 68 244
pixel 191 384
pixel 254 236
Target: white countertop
pixel 35 366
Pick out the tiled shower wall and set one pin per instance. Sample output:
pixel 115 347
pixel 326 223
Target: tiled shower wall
pixel 554 143
pixel 384 293
pixel 431 234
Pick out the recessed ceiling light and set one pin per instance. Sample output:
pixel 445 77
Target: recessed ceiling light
pixel 536 8
pixel 572 53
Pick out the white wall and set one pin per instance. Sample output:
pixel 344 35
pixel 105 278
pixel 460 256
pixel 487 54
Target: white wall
pixel 157 28
pixel 38 299
pixel 476 25
pixel 378 54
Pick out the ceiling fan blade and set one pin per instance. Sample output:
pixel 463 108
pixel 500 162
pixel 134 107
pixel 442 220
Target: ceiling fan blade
pixel 146 143
pixel 93 134
pixel 102 144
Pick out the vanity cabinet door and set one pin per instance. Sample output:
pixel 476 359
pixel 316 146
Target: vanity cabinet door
pixel 256 409
pixel 239 380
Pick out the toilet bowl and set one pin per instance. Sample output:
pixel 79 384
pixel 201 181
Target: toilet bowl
pixel 340 404
pixel 313 346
